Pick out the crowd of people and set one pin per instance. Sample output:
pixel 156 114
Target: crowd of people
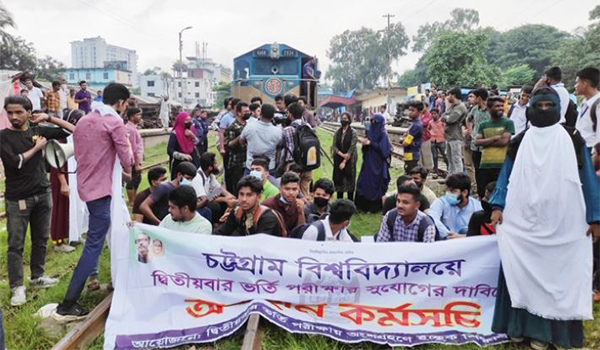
pixel 530 162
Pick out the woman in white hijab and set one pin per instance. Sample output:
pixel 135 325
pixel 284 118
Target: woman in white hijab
pixel 547 203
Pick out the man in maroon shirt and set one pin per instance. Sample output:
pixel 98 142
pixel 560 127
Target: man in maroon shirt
pixel 99 138
pixel 286 202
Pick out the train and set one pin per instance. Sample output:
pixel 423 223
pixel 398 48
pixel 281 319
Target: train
pixel 270 70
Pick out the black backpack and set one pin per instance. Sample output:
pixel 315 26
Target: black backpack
pixel 307 148
pixel 571 114
pixel 593 114
pixel 298 231
pixel 420 234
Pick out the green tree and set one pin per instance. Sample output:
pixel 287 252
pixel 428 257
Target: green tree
pixel 49 69
pixel 531 44
pixel 17 55
pixel 223 90
pixel 361 57
pixel 516 75
pixel 461 21
pixel 408 79
pixel 6 21
pixel 458 60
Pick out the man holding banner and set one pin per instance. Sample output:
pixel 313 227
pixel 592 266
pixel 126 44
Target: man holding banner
pixel 100 137
pixel 545 279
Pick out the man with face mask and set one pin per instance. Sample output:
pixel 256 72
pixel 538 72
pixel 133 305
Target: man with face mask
pixel 493 136
pixel 544 222
pixel 323 191
pixel 260 170
pixel 236 150
pixel 158 201
pixel 100 137
pixel 452 212
pixel 286 203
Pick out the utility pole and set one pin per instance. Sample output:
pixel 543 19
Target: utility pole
pixel 389 35
pixel 182 87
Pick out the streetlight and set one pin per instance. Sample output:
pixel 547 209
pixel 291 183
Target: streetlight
pixel 182 87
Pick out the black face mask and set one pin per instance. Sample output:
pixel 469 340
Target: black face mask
pixel 320 202
pixel 188 125
pixel 247 116
pixel 215 171
pixel 345 122
pixel 542 119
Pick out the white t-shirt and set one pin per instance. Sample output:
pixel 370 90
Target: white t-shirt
pixel 35 95
pixel 563 94
pixel 584 122
pixel 519 118
pixel 64 93
pixel 312 232
pixel 205 186
pixel 197 225
pixel 262 138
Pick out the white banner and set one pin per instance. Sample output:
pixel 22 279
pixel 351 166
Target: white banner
pixel 175 288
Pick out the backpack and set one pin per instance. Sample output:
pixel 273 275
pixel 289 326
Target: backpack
pixel 307 148
pixel 510 110
pixel 298 231
pixel 593 114
pixel 571 114
pixel 420 234
pixel 261 210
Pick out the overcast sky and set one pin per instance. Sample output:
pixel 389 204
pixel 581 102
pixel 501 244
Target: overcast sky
pixel 233 27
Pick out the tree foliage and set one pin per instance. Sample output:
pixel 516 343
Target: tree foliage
pixel 460 21
pixel 49 69
pixel 516 75
pixel 361 57
pixel 458 60
pixel 531 44
pixel 17 55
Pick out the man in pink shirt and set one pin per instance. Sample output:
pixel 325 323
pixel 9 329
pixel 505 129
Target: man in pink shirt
pixel 438 139
pixel 99 138
pixel 134 117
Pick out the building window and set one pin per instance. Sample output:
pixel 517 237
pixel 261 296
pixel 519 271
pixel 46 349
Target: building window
pixel 179 94
pixel 178 84
pixel 197 95
pixel 71 76
pixel 150 83
pixel 197 84
pixel 88 76
pixel 105 75
pixel 151 94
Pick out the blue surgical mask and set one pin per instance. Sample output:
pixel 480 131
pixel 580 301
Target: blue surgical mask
pixel 256 174
pixel 452 198
pixel 282 200
pixel 185 182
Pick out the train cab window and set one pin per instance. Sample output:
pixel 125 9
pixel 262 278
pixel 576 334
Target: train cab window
pixel 282 66
pixel 241 70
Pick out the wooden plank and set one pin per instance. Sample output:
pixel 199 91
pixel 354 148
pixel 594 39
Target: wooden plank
pixel 84 333
pixel 253 336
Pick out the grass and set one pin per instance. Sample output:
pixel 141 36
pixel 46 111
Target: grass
pixel 21 327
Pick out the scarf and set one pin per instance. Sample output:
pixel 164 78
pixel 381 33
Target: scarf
pixel 546 256
pixel 186 144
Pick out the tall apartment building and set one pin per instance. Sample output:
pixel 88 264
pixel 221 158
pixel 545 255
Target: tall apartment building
pixel 96 53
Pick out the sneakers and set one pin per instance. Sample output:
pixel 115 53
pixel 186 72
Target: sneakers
pixel 68 314
pixel 63 248
pixel 517 340
pixel 538 345
pixel 43 282
pixel 18 296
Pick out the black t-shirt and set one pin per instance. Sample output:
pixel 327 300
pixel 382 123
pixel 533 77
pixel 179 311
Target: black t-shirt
pixel 139 199
pixel 390 203
pixel 160 196
pixel 25 179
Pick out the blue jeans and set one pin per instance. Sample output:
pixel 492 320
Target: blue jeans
pixel 2 347
pixel 99 210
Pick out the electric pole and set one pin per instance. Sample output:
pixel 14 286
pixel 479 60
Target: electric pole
pixel 389 16
pixel 182 87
